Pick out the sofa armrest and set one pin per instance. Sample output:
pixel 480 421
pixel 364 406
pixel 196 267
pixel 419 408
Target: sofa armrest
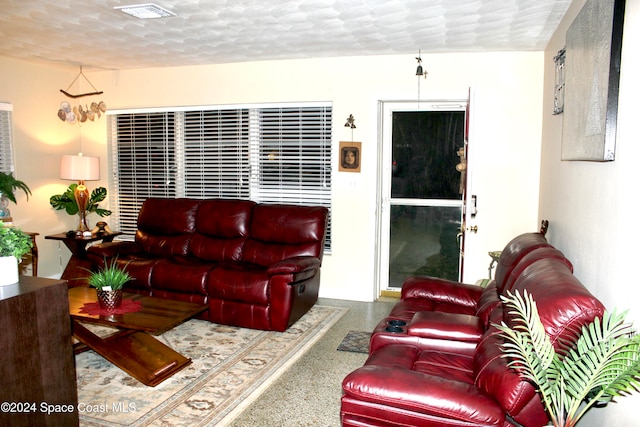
pixel 441 290
pixel 446 326
pixel 426 394
pixel 294 265
pixel 111 249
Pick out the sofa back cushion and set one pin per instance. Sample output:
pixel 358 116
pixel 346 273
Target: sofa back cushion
pixel 165 226
pixel 564 306
pixel 544 252
pixel 279 232
pixel 222 227
pixel 491 297
pixel 513 252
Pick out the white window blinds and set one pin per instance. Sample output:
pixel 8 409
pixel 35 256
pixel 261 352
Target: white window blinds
pixel 216 154
pixel 267 154
pixel 293 153
pixel 6 144
pixel 144 163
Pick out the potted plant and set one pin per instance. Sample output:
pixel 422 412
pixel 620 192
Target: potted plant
pixel 8 186
pixel 602 364
pixel 14 243
pixel 67 201
pixel 108 281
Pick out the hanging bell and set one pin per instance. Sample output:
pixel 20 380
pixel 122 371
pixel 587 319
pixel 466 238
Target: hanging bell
pixel 419 71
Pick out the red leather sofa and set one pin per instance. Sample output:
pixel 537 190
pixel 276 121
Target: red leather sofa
pixel 444 367
pixel 255 265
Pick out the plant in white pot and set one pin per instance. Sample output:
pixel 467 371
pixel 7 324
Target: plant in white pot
pixel 108 281
pixel 14 243
pixel 603 364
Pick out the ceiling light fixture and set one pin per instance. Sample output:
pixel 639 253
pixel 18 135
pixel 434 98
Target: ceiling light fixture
pixel 146 11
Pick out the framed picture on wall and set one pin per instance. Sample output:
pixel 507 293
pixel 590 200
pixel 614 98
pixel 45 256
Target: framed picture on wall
pixel 350 156
pixel 592 76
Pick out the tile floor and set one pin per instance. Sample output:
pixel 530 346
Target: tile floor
pixel 308 394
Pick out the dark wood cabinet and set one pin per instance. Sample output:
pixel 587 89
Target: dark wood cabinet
pixel 37 366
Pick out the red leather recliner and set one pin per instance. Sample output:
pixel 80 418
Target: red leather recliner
pixel 432 309
pixel 417 385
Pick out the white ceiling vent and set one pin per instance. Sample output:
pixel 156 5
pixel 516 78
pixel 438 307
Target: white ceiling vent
pixel 146 11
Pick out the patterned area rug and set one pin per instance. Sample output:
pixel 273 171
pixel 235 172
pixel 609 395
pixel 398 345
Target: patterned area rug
pixel 355 341
pixel 231 367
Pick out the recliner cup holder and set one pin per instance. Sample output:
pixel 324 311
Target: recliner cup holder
pixel 396 322
pixel 394 329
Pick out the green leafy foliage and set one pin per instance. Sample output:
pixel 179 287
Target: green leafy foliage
pixel 110 275
pixel 603 363
pixel 8 185
pixel 14 241
pixel 67 201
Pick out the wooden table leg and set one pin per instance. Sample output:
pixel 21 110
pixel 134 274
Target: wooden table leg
pixel 137 353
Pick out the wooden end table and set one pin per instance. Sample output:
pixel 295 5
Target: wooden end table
pixel 132 348
pixel 74 272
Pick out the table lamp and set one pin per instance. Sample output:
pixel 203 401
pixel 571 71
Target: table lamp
pixel 81 168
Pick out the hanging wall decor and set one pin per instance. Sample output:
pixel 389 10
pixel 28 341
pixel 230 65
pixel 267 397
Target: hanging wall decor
pixel 75 112
pixel 558 95
pixel 350 156
pixel 350 151
pixel 592 78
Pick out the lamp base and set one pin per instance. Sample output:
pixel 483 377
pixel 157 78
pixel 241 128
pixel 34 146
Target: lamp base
pixel 81 193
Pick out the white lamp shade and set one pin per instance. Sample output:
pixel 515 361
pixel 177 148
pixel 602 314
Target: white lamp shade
pixel 80 168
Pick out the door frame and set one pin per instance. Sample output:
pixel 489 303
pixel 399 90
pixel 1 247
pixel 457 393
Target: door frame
pixel 385 109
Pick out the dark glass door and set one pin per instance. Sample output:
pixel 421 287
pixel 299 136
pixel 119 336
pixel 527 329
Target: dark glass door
pixel 425 200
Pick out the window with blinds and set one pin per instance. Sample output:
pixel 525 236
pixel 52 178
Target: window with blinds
pixel 267 154
pixel 6 145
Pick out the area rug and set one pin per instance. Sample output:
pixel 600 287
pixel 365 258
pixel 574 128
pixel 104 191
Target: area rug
pixel 355 341
pixel 231 367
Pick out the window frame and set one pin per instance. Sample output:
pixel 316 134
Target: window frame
pixel 242 134
pixel 7 155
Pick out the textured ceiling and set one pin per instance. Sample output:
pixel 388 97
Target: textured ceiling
pixel 92 34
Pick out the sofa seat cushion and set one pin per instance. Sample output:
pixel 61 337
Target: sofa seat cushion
pixel 406 309
pixel 242 282
pixel 438 363
pixel 449 365
pixel 389 384
pixel 441 325
pixel 181 274
pixel 140 268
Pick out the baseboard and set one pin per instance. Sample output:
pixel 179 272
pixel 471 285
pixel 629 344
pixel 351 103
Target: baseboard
pixel 390 293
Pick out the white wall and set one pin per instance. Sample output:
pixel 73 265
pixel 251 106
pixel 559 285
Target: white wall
pixel 592 206
pixel 504 152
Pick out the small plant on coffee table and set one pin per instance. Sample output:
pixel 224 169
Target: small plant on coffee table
pixel 108 281
pixel 110 277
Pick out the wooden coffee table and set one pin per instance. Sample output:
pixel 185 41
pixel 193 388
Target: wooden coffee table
pixel 132 348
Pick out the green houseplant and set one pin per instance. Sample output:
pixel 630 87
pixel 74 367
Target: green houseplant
pixel 108 281
pixel 14 243
pixel 67 201
pixel 8 186
pixel 603 364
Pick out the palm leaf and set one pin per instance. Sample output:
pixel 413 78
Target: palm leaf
pixel 529 348
pixel 603 363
